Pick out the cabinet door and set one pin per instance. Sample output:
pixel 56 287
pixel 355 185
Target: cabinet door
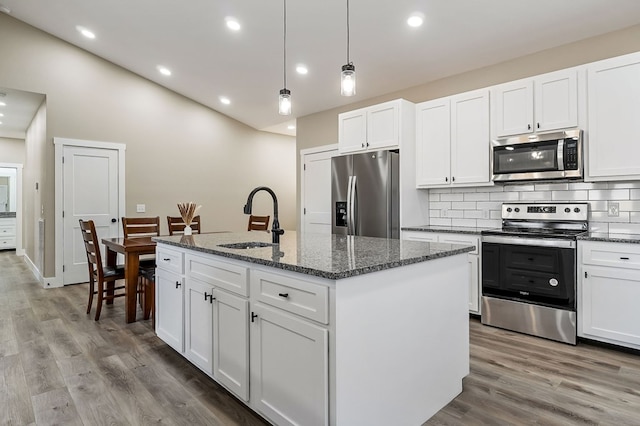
pixel 514 108
pixel 301 368
pixel 199 325
pixel 433 143
pixel 610 307
pixel 474 284
pixel 613 89
pixel 231 342
pixel 169 308
pixel 383 125
pixel 352 131
pixel 470 143
pixel 556 100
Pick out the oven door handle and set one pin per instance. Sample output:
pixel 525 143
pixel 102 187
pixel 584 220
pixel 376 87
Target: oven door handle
pixel 523 241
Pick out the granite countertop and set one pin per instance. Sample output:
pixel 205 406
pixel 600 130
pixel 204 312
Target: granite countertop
pixel 611 237
pixel 323 255
pixel 7 214
pixel 449 229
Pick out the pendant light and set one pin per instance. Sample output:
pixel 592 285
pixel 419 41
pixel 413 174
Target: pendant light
pixel 348 77
pixel 284 98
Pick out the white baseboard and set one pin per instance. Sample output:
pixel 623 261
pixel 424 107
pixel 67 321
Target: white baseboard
pixel 47 282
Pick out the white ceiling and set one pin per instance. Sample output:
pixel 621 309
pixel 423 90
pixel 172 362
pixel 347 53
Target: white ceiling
pixel 18 112
pixel 208 60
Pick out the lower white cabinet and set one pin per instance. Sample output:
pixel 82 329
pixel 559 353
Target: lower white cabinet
pixel 609 293
pixel 170 308
pixel 7 233
pixel 473 258
pixel 289 367
pixel 198 330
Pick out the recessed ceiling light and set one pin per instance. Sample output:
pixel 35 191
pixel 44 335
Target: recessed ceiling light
pixel 225 100
pixel 85 32
pixel 416 19
pixel 0 122
pixel 301 69
pixel 291 127
pixel 232 23
pixel 3 104
pixel 1 114
pixel 164 70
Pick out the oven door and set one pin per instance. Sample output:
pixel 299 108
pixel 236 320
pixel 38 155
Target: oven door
pixel 542 274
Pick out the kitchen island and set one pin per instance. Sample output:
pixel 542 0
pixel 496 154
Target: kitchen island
pixel 319 329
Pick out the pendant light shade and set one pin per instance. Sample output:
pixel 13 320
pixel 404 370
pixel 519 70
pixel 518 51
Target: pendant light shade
pixel 348 75
pixel 284 97
pixel 284 102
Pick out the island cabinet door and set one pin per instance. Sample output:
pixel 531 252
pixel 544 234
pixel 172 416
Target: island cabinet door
pixel 199 325
pixel 170 308
pixel 289 368
pixel 231 342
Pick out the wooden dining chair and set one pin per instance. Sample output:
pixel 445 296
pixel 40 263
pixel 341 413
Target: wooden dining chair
pixel 102 276
pixel 176 225
pixel 136 227
pixel 258 223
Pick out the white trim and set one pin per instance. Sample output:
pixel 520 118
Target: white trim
pixel 18 167
pixel 60 144
pixel 333 149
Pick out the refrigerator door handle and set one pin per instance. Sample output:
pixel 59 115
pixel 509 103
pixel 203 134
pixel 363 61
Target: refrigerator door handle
pixel 354 206
pixel 349 207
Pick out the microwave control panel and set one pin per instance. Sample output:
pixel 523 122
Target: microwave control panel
pixel 570 154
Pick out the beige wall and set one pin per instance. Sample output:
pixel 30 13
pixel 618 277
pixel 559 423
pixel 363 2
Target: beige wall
pixel 177 150
pixel 322 128
pixel 12 150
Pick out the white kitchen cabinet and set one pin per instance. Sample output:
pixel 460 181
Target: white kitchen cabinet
pixel 452 141
pixel 543 103
pixel 198 345
pixel 609 293
pixel 170 308
pixel 290 386
pixel 7 233
pixel 613 87
pixel 473 258
pixel 373 128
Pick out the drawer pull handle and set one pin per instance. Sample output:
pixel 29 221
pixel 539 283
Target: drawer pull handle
pixel 285 295
pixel 624 258
pixel 253 316
pixel 178 284
pixel 166 259
pixel 206 296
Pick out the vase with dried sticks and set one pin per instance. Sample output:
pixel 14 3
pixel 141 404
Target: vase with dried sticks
pixel 188 212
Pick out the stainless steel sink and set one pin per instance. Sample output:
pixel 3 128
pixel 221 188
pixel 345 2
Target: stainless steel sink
pixel 246 245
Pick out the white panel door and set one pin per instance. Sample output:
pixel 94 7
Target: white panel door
pixel 514 108
pixel 470 143
pixel 231 342
pixel 198 327
pixel 291 387
pixel 170 309
pixel 316 202
pixel 352 131
pixel 383 125
pixel 433 143
pixel 556 99
pixel 90 186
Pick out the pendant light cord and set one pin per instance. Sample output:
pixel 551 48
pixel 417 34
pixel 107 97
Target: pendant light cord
pixel 284 47
pixel 348 32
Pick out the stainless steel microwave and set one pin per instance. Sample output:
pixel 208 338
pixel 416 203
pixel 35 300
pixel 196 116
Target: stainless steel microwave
pixel 545 156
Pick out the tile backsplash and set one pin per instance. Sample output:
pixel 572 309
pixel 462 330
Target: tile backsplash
pixel 480 206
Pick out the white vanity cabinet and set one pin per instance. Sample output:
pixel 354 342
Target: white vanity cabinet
pixel 473 258
pixel 543 103
pixel 609 292
pixel 7 233
pixel 169 309
pixel 452 141
pixel 375 127
pixel 291 313
pixel 613 87
pixel 217 321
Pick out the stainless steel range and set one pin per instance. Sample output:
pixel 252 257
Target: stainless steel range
pixel 529 269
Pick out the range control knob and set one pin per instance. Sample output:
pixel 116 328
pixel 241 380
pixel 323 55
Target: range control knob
pixel 517 209
pixel 577 210
pixel 509 209
pixel 567 210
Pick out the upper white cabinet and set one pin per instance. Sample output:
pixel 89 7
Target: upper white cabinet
pixel 613 88
pixel 546 102
pixel 452 141
pixel 375 127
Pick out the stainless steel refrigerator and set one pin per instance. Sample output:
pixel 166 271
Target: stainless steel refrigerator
pixel 365 194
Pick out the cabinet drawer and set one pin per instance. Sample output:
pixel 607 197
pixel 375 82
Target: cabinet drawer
pixel 460 239
pixel 612 254
pixel 428 237
pixel 169 259
pixel 300 297
pixel 225 275
pixel 7 231
pixel 7 243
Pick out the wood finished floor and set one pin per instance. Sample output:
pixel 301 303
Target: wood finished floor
pixel 59 367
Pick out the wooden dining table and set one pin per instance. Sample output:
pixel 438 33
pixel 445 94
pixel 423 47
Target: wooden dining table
pixel 132 249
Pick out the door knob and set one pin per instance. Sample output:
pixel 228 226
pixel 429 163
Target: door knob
pixel 114 220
